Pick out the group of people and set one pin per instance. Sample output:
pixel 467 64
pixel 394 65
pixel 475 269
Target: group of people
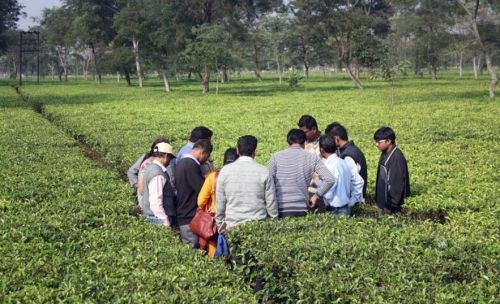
pixel 324 172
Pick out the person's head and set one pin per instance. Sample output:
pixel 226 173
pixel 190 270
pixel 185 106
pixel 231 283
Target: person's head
pixel 153 145
pixel 200 132
pixel 202 150
pixel 327 145
pixel 163 152
pixel 384 138
pixel 296 137
pixel 308 124
pixel 230 156
pixel 338 132
pixel 247 145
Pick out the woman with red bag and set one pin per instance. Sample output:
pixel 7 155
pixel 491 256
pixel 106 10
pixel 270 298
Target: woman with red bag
pixel 207 201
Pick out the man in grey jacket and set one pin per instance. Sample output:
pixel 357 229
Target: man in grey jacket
pixel 244 190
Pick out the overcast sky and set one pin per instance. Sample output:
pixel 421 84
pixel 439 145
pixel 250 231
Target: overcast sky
pixel 34 8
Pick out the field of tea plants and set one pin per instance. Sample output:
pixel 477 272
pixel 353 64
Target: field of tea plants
pixel 69 230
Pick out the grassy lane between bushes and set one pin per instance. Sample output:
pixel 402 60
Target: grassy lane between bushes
pixel 67 233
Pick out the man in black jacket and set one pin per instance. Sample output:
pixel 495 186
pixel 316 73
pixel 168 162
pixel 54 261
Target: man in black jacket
pixel 188 181
pixel 348 149
pixel 393 180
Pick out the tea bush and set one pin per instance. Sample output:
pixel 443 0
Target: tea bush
pixel 67 232
pixel 443 249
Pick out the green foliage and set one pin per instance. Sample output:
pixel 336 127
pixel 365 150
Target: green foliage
pixel 443 249
pixel 294 78
pixel 68 232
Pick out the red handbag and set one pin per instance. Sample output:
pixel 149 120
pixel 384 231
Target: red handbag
pixel 203 224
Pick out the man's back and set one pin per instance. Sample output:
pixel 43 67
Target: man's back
pixel 292 170
pixel 352 151
pixel 188 183
pixel 244 192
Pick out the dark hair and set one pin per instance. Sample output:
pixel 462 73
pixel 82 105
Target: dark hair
pixel 247 145
pixel 204 145
pixel 327 143
pixel 230 156
pixel 296 136
pixel 336 129
pixel 307 121
pixel 200 132
pixel 385 133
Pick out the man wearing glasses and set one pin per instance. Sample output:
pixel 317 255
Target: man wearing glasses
pixel 393 180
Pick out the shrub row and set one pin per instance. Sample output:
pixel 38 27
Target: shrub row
pixel 320 259
pixel 67 233
pixel 453 167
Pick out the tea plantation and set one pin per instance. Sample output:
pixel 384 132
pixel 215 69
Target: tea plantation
pixel 69 231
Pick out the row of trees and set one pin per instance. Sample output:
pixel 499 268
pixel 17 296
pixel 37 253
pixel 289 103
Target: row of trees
pixel 207 37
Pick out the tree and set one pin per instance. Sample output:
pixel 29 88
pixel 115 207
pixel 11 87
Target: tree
pixel 93 26
pixel 130 23
pixel 427 24
pixel 275 26
pixel 338 20
pixel 57 36
pixel 207 51
pixel 249 14
pixel 484 21
pixel 10 10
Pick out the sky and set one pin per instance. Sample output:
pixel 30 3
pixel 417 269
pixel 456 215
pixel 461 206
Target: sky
pixel 34 8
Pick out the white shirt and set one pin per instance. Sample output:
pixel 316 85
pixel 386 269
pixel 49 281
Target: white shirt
pixel 348 186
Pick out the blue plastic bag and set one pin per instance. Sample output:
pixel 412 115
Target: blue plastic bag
pixel 222 246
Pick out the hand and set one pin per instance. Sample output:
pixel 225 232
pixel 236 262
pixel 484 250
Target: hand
pixel 166 223
pixel 314 200
pixel 222 228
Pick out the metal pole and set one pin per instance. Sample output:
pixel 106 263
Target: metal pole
pixel 20 58
pixel 38 58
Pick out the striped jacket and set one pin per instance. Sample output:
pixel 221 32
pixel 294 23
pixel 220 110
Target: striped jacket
pixel 291 171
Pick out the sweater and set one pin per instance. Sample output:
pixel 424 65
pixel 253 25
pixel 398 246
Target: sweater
pixel 244 192
pixel 292 170
pixel 188 182
pixel 168 202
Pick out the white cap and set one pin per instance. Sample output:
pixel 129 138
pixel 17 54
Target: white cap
pixel 163 147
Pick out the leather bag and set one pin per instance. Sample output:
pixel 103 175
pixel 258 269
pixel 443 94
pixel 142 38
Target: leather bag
pixel 203 224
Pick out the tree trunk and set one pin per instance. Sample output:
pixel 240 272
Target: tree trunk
pixel 135 44
pixel 63 61
pixel 118 77
pixel 165 80
pixel 305 61
pixel 61 71
pixel 127 77
pixel 487 55
pixel 256 62
pixel 356 80
pixel 205 82
pixel 96 67
pixel 475 66
pixel 224 75
pixel 461 65
pixel 493 74
pixel 52 68
pixel 433 71
pixel 277 58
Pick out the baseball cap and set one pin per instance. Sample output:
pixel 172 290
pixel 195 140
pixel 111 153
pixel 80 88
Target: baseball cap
pixel 163 147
